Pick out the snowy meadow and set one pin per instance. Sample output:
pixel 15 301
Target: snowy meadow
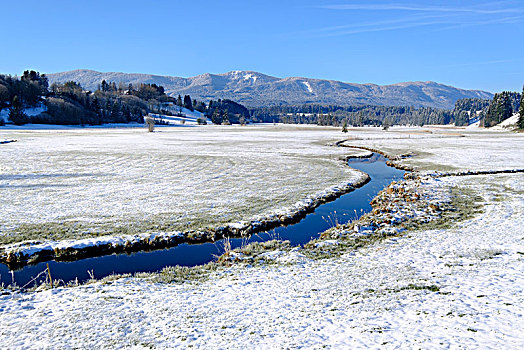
pixel 77 183
pixel 456 284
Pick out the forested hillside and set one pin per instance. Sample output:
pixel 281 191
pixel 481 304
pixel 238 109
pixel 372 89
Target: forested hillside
pixel 465 112
pixel 503 106
pixel 254 89
pixel 69 103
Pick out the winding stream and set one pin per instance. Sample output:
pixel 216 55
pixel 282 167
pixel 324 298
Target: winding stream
pixel 348 207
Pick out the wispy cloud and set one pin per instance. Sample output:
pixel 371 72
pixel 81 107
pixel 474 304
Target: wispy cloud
pixel 374 26
pixel 440 17
pixel 363 25
pixel 381 28
pixel 482 63
pixel 465 24
pixel 402 7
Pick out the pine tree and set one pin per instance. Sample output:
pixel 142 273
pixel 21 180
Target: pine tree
pixel 345 126
pixel 520 123
pixel 216 117
pixel 499 109
pixel 16 114
pixel 116 116
pixel 188 103
pixel 225 118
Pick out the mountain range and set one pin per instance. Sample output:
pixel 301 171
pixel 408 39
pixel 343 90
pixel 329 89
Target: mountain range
pixel 255 89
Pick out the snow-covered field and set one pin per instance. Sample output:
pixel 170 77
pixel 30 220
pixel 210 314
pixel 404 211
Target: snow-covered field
pixel 186 117
pixel 69 183
pixel 461 287
pixel 449 148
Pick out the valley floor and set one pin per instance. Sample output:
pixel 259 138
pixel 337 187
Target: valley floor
pixel 456 287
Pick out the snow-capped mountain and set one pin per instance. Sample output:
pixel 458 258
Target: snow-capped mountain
pixel 256 89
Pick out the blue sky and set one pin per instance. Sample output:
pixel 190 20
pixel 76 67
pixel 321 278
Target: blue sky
pixel 468 44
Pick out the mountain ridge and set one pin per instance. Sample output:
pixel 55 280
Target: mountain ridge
pixel 256 89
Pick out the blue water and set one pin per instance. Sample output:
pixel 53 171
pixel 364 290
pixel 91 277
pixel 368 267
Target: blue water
pixel 342 210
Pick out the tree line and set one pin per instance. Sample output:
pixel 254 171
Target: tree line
pixel 367 115
pixel 503 106
pixel 466 111
pixel 70 104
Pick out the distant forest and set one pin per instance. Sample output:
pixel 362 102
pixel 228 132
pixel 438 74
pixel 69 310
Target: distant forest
pixel 466 111
pixel 70 104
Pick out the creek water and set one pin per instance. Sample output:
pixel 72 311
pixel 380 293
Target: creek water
pixel 349 206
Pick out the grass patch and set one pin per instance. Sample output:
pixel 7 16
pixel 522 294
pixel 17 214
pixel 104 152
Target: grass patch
pixel 256 248
pixel 71 229
pixel 465 204
pixel 344 244
pixel 431 288
pixel 179 274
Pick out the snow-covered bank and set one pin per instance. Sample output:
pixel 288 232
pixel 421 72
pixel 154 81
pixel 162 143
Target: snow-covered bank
pixel 19 254
pixel 79 183
pixel 460 287
pixel 183 117
pixel 508 124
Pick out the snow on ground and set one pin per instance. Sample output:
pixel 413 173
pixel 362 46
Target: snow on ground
pixel 186 117
pixel 76 181
pixel 308 86
pixel 473 125
pixel 4 113
pixel 449 148
pixel 508 123
pixel 461 287
pixel 470 294
pixel 30 112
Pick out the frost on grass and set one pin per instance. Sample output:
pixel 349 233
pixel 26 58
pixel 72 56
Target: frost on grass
pixel 459 286
pixel 448 148
pixel 79 183
pixel 443 288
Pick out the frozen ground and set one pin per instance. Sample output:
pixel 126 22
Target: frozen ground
pixel 461 287
pixel 448 148
pixel 73 183
pixel 189 118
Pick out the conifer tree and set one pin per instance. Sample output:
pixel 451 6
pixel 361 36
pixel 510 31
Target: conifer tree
pixel 520 123
pixel 16 114
pixel 499 109
pixel 188 103
pixel 345 126
pixel 216 117
pixel 225 118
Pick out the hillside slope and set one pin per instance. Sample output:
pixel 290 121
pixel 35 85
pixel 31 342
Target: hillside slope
pixel 255 89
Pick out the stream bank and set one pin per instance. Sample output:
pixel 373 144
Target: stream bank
pixel 347 207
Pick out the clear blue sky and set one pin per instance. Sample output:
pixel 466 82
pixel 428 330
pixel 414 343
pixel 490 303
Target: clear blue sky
pixel 468 44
